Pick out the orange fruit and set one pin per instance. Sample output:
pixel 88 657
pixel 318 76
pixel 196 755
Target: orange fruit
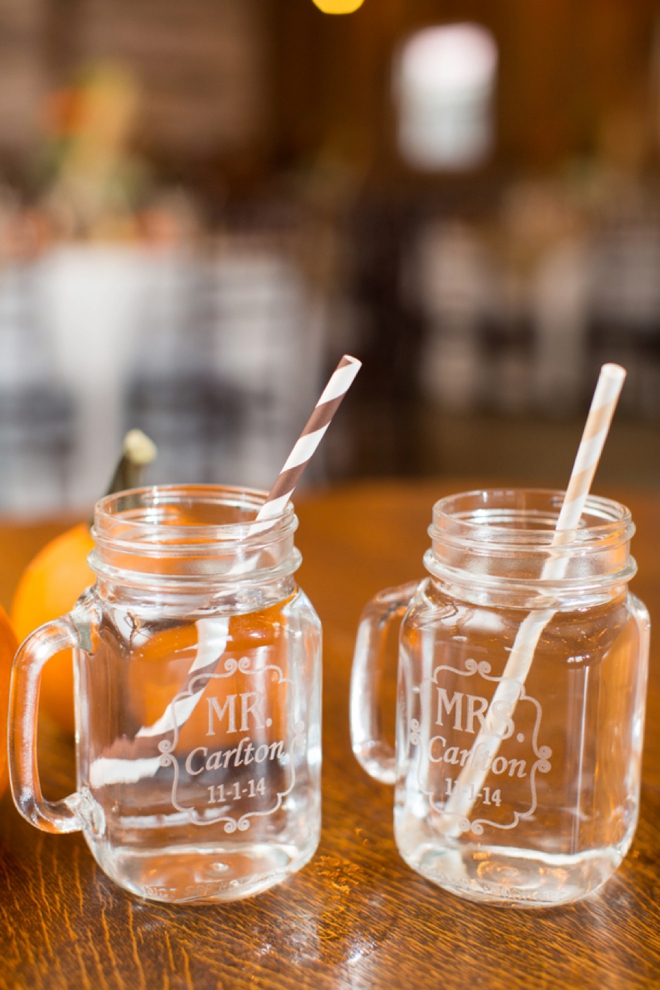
pixel 49 588
pixel 8 647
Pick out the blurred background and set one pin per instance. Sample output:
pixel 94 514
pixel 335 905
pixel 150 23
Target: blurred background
pixel 203 204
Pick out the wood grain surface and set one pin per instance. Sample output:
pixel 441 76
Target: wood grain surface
pixel 356 917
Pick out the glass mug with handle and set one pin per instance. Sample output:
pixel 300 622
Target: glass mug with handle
pixel 511 789
pixel 197 689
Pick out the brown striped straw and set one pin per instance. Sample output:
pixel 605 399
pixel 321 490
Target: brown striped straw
pixel 125 763
pixel 213 633
pixel 511 685
pixel 331 398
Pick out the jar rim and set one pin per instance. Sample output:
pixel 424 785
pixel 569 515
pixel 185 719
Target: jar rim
pixel 526 517
pixel 150 517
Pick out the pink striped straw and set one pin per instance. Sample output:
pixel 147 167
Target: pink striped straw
pixel 305 446
pixel 511 685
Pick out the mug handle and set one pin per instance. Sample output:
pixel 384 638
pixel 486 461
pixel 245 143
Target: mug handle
pixel 372 751
pixel 70 631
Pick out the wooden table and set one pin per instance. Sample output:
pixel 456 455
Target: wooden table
pixel 356 917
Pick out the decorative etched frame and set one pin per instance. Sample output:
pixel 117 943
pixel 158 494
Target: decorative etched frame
pixel 196 685
pixel 542 753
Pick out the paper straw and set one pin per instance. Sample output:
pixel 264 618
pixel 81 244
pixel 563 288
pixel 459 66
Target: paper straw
pixel 213 633
pixel 511 686
pixel 331 398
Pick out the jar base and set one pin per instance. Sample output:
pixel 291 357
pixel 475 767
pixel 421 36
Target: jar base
pixel 189 874
pixel 515 877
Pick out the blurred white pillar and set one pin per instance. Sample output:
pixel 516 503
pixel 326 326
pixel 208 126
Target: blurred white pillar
pixel 32 421
pixel 92 298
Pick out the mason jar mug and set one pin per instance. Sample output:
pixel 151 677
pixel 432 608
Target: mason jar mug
pixel 197 667
pixel 521 699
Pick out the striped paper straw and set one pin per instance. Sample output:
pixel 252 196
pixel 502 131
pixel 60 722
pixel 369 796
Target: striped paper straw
pixel 511 686
pixel 120 767
pixel 331 398
pixel 128 762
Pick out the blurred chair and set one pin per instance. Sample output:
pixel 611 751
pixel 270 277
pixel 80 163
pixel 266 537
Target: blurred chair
pixel 625 307
pixel 560 298
pixel 455 283
pixel 267 355
pixel 172 391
